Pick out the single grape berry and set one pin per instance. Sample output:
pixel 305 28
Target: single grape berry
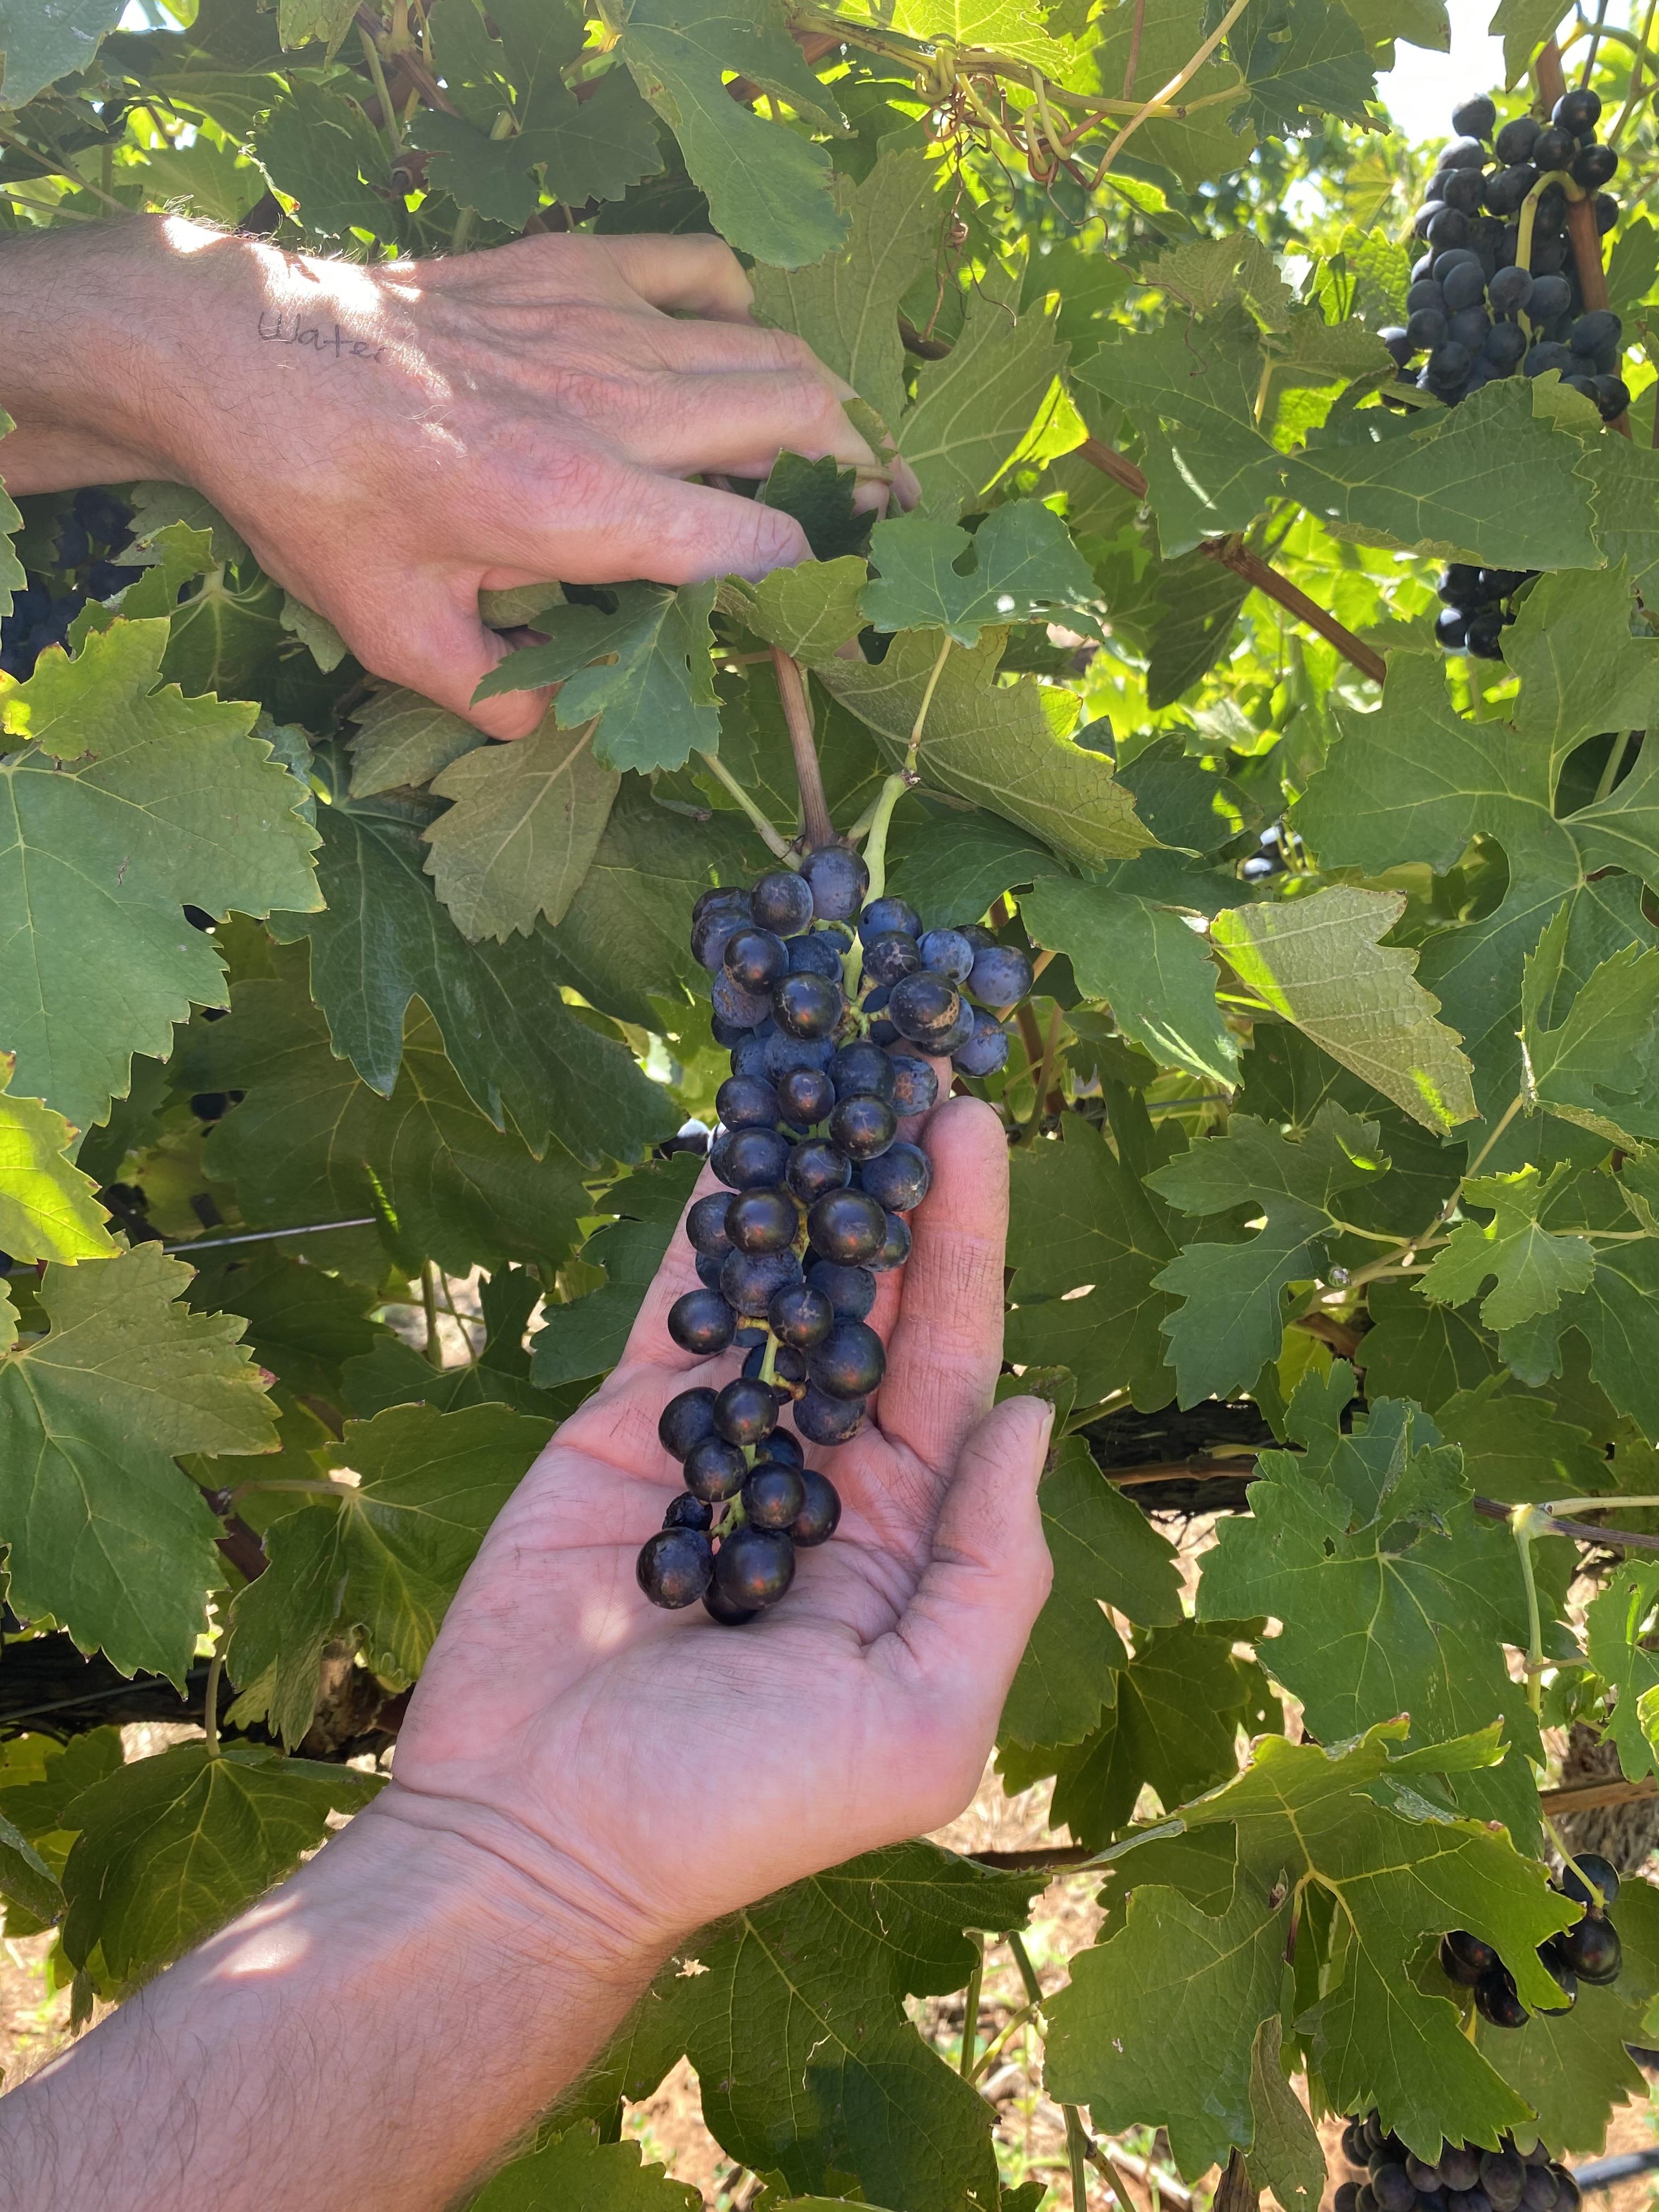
pixel 817 1166
pixel 1594 166
pixel 714 1469
pixel 721 1608
pixel 897 1180
pixel 800 1316
pixel 1451 631
pixel 755 958
pixel 1540 2192
pixel 750 1281
pixel 815 955
pixel 847 1226
pixel 1553 147
pixel 895 1246
pixel 708 1270
pixel 1465 287
pixel 1505 191
pixel 1510 290
pixel 685 1421
pixel 1459 188
pixel 850 1363
pixel 1503 2177
pixel 744 1101
pixel 1551 296
pixel 1568 1982
pixel 727 913
pixel 883 915
pixel 924 1007
pixel 1394 337
pixel 1346 2195
pixel 986 1050
pixel 838 878
pixel 851 1291
pixel 688 1512
pixel 754 1567
pixel 1577 111
pixel 828 1420
pixel 889 956
pixel 758 1221
pixel 1495 2000
pixel 1392 2186
pixel 1426 328
pixel 702 1321
pixel 807 1006
pixel 1612 396
pixel 782 902
pixel 1504 347
pixel 773 1495
pixel 786 1054
pixel 805 1096
pixel 820 1510
pixel 705 1224
pixel 749 1053
pixel 863 1126
pixel 1476 118
pixel 1591 1949
pixel 739 1009
pixel 1423 2176
pixel 862 1069
pixel 744 1411
pixel 1460 2166
pixel 1590 1880
pixel 748 1159
pixel 1001 977
pixel 781 1445
pixel 1464 1958
pixel 1515 140
pixel 916 1087
pixel 676 1567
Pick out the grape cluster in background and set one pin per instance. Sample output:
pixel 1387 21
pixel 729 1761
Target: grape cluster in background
pixel 1589 1951
pixel 96 530
pixel 833 1006
pixel 1464 2177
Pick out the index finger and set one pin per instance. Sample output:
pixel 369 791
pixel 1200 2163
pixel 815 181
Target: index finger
pixel 682 276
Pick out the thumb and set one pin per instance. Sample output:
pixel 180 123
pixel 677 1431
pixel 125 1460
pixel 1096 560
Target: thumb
pixel 990 1571
pixel 432 639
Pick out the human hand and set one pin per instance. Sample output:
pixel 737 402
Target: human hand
pixel 656 1770
pixel 392 440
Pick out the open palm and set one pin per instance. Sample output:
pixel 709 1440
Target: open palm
pixel 681 1768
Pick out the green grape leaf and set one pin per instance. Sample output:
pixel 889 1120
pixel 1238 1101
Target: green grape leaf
pixel 298 21
pixel 173 1846
pixel 303 1325
pixel 991 744
pixel 1195 604
pixel 1229 1326
pixel 49 1209
pixel 578 2173
pixel 1575 2069
pixel 310 1143
pixel 642 675
pixel 1618 1630
pixel 809 2065
pixel 1286 2153
pixel 975 411
pixel 1600 1067
pixel 118 801
pixel 1087 1239
pixel 522 831
pixel 13 575
pixel 1616 1315
pixel 954 868
pixel 1523 26
pixel 768 190
pixel 1105 1553
pixel 846 306
pixel 402 739
pixel 1582 673
pixel 1144 49
pixel 106 1535
pixel 319 147
pixel 820 496
pixel 1418 1350
pixel 1396 1596
pixel 1516 1449
pixel 1535 1266
pixel 383 940
pixel 587 1336
pixel 1146 962
pixel 1006 27
pixel 382 1561
pixel 39 44
pixel 1304 58
pixel 811 611
pixel 26 1880
pixel 594 149
pixel 623 940
pixel 1024 567
pixel 1395 1880
pixel 1321 963
pixel 1173 1728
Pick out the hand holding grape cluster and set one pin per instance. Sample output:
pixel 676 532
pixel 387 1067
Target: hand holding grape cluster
pixel 833 1006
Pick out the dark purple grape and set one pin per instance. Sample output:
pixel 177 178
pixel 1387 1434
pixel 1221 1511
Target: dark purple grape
pixel 1465 287
pixel 1504 348
pixel 1607 213
pixel 851 1291
pixel 863 1126
pixel 780 1445
pixel 890 957
pixel 887 914
pixel 820 1513
pixel 746 1159
pixel 702 1321
pixel 839 880
pixel 773 1495
pixel 785 1053
pixel 676 1567
pixel 850 1363
pixel 744 1101
pixel 1506 191
pixel 925 1007
pixel 1464 1958
pixel 738 1008
pixel 800 1316
pixel 848 1227
pixel 1424 2178
pixel 1347 2197
pixel 805 1096
pixel 1464 152
pixel 986 1050
pixel 685 1421
pixel 1460 2166
pixel 1393 336
pixel 721 1608
pixel 687 1511
pixel 1511 290
pixel 1426 328
pixel 1577 111
pixel 714 1469
pixel 828 1420
pixel 1515 140
pixel 1552 296
pixel 1503 2177
pixel 1612 396
pixel 1553 147
pixel 895 1246
pixel 949 951
pixel 1594 165
pixel 814 956
pixel 862 1069
pixel 1567 1982
pixel 1448 364
pixel 1495 1999
pixel 749 1053
pixel 708 1269
pixel 1451 631
pixel 1001 975
pixel 1540 2192
pixel 898 1180
pixel 1591 1949
pixel 754 1567
pixel 782 902
pixel 1590 1867
pixel 744 1411
pixel 705 1224
pixel 1461 189
pixel 1447 226
pixel 916 1087
pixel 951 1041
pixel 750 1281
pixel 763 1220
pixel 1550 356
pixel 1391 2185
pixel 756 958
pixel 808 1006
pixel 727 912
pixel 1470 328
pixel 817 1166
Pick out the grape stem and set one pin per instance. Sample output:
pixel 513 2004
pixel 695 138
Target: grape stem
pixel 773 838
pixel 210 1702
pixel 1527 1522
pixel 1166 93
pixel 434 1351
pixel 1615 761
pixel 816 825
pixel 970 2010
pixel 388 112
pixel 1362 1275
pixel 1555 1837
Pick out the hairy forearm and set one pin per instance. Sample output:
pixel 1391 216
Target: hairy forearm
pixel 375 2033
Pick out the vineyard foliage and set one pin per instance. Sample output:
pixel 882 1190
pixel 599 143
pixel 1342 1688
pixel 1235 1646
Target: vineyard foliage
pixel 1334 1123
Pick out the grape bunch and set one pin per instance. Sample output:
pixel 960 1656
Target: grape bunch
pixel 1462 2178
pixel 1588 1951
pixel 832 1006
pixel 40 617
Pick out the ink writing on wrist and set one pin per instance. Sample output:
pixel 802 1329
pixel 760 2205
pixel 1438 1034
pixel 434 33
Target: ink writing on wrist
pixel 279 329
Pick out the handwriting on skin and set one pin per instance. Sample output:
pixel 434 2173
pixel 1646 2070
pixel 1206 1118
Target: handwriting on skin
pixel 290 330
